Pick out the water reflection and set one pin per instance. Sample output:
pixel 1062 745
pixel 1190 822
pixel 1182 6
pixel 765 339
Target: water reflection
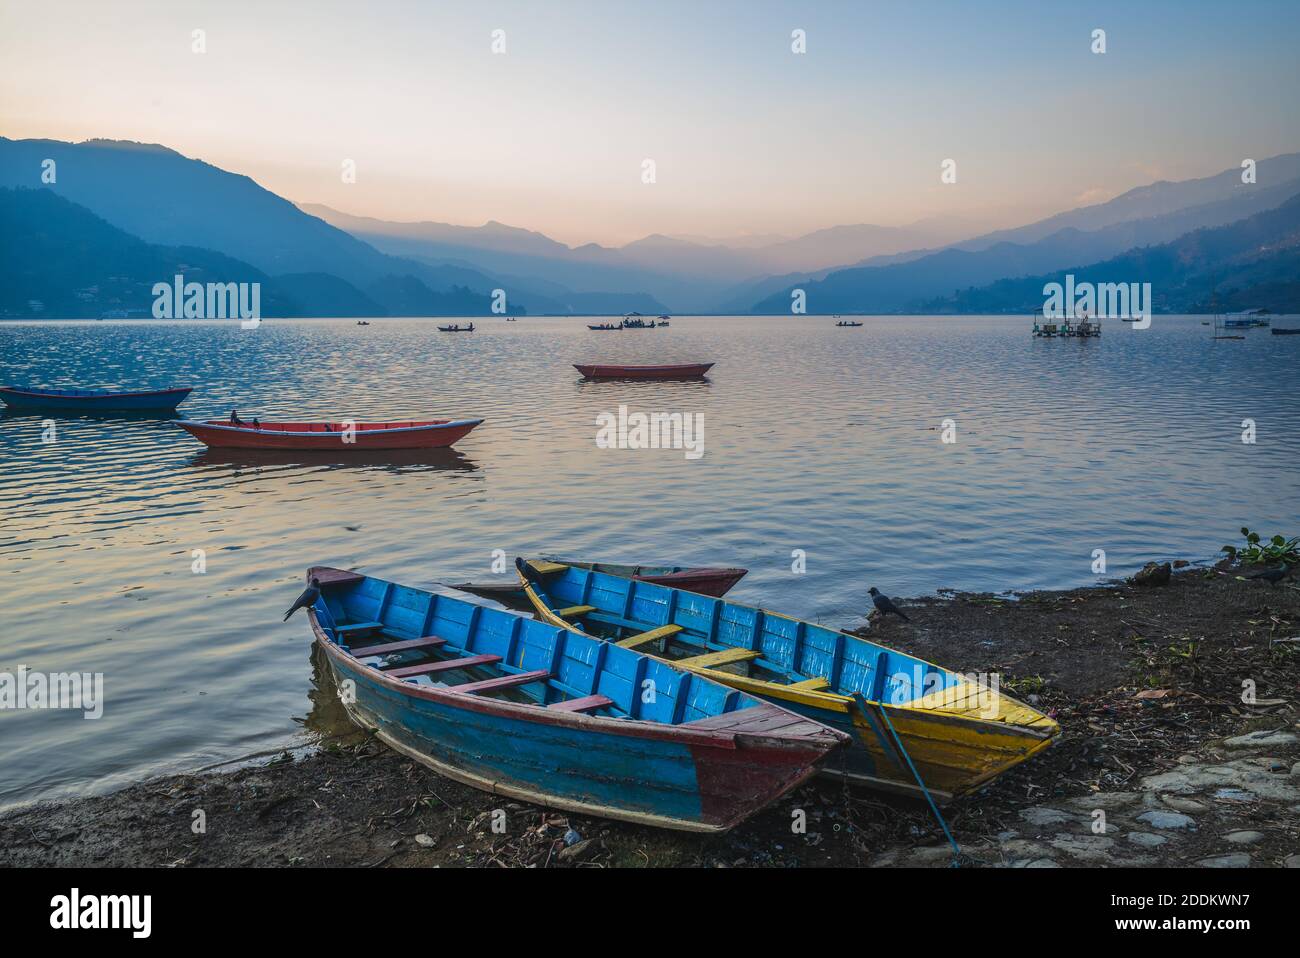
pixel 396 461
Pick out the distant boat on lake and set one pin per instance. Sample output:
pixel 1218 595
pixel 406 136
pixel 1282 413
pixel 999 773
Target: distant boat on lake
pixel 94 400
pixel 456 328
pixel 330 436
pixel 673 371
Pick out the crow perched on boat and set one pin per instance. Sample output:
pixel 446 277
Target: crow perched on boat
pixel 1272 576
pixel 307 599
pixel 883 604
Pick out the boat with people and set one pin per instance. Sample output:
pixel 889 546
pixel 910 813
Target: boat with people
pixel 605 326
pixel 362 322
pixel 918 728
pixel 624 371
pixel 664 321
pixel 541 713
pixel 456 328
pixel 706 580
pixel 846 322
pixel 636 321
pixel 94 400
pixel 344 435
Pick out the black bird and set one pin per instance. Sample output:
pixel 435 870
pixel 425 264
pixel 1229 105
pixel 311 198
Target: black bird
pixel 884 606
pixel 1271 576
pixel 307 599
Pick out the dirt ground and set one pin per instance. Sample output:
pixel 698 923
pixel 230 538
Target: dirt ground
pixel 1161 761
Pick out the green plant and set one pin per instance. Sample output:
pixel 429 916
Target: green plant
pixel 1264 552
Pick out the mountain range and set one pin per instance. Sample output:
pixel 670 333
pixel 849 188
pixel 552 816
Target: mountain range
pixel 120 216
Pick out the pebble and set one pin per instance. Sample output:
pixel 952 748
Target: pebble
pixel 1239 860
pixel 1260 739
pixel 1045 816
pixel 1233 795
pixel 1183 804
pixel 425 840
pixel 1174 820
pixel 1244 838
pixel 1146 839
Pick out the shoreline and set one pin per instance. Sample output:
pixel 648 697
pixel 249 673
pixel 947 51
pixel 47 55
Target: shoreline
pixel 1160 762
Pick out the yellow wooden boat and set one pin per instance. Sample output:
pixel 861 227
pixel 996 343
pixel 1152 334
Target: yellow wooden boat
pixel 917 727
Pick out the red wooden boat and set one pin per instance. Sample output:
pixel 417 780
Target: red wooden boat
pixel 675 371
pixel 332 436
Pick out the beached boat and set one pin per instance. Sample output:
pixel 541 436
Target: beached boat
pixel 520 708
pixel 673 371
pixel 94 400
pixel 706 581
pixel 910 719
pixel 342 436
pixel 456 328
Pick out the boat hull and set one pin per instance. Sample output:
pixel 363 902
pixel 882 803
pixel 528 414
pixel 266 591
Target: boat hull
pixel 161 400
pixel 365 437
pixel 675 371
pixel 704 775
pixel 701 787
pixel 705 581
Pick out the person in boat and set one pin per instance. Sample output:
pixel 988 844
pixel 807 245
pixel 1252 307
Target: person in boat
pixel 471 327
pixel 234 418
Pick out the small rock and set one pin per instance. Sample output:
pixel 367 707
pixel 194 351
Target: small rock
pixel 1106 800
pixel 1183 804
pixel 1233 795
pixel 1181 563
pixel 425 840
pixel 574 852
pixel 1261 739
pixel 1168 820
pixel 1084 846
pixel 1006 836
pixel 1146 839
pixel 1045 816
pixel 1244 838
pixel 1239 860
pixel 1153 574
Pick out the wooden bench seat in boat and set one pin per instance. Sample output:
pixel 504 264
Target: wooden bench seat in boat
pixel 356 628
pixel 568 612
pixel 725 657
pixel 812 685
pixel 446 665
pixel 384 648
pixel 503 681
pixel 588 703
pixel 654 635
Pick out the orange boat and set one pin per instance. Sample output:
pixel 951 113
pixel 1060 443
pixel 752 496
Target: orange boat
pixel 346 436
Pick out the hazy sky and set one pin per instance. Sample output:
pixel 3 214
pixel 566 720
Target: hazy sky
pixel 747 136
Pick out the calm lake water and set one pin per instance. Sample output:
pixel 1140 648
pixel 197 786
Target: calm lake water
pixel 816 438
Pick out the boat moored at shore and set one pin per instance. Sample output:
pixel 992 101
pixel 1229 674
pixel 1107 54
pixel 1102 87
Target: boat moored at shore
pixel 518 707
pixel 918 728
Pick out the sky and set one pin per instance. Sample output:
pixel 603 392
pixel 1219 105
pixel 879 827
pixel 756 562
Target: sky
pixel 746 136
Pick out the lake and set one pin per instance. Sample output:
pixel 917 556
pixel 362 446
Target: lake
pixel 815 438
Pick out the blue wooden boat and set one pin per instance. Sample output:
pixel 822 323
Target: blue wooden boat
pixel 917 727
pixel 94 400
pixel 517 707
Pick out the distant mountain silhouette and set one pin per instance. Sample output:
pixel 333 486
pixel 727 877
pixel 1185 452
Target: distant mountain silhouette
pixel 60 260
pixel 166 199
pixel 1252 263
pixel 905 283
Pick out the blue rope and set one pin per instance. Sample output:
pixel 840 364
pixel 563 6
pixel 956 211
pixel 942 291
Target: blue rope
pixel 956 850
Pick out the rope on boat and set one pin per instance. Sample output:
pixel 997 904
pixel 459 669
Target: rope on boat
pixel 898 742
